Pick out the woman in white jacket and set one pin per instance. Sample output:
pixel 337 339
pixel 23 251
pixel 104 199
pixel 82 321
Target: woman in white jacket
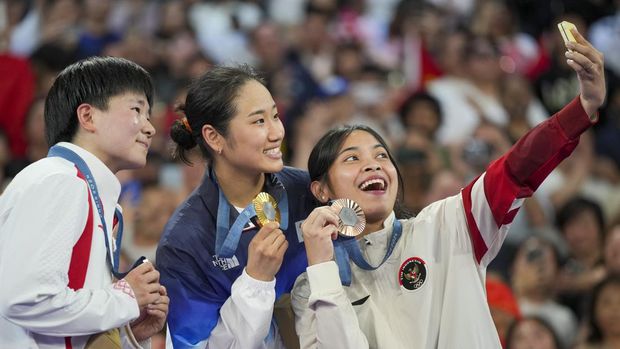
pixel 419 282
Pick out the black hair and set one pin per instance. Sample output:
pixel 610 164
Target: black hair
pixel 417 98
pixel 94 81
pixel 53 56
pixel 594 331
pixel 476 44
pixel 575 207
pixel 541 321
pixel 326 151
pixel 210 101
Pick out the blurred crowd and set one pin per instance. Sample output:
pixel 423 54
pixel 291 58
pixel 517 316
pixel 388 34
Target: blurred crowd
pixel 451 84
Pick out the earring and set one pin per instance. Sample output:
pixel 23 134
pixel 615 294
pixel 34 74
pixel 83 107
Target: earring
pixel 219 151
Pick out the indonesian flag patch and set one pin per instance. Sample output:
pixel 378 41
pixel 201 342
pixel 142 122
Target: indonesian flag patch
pixel 412 273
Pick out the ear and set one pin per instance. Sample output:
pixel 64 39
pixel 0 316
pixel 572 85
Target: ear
pixel 85 114
pixel 320 191
pixel 213 138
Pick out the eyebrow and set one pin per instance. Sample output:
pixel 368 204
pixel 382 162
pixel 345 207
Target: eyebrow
pixel 378 145
pixel 141 102
pixel 261 111
pixel 136 99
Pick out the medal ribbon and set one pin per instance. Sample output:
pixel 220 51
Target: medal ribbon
pixel 227 237
pixel 346 248
pixel 113 261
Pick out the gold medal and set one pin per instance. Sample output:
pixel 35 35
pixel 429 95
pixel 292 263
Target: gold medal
pixel 351 217
pixel 266 209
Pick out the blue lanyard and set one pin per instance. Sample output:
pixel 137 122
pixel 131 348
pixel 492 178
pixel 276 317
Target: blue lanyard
pixel 227 238
pixel 68 154
pixel 347 247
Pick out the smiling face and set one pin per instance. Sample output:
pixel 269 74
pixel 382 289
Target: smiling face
pixel 123 132
pixel 252 145
pixel 363 172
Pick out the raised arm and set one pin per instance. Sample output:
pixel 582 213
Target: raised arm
pixel 492 200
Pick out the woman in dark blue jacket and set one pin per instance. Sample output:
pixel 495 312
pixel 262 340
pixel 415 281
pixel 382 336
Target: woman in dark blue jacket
pixel 223 273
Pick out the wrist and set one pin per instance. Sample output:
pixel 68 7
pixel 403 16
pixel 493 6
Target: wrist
pixel 313 260
pixel 589 107
pixel 259 276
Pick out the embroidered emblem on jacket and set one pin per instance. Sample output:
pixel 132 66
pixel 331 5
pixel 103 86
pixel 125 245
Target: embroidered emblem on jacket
pixel 412 274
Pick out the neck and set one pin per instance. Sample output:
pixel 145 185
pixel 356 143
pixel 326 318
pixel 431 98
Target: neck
pixel 239 188
pixel 88 146
pixel 371 228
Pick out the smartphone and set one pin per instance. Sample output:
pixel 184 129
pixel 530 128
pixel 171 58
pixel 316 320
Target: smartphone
pixel 565 29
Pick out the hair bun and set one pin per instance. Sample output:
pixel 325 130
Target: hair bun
pixel 181 135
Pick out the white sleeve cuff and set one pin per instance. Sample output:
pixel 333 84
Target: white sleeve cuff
pixel 324 278
pixel 247 281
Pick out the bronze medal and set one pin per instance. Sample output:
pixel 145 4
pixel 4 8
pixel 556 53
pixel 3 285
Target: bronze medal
pixel 266 208
pixel 351 217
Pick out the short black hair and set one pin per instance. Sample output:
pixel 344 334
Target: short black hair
pixel 576 206
pixel 416 98
pixel 326 151
pixel 210 101
pixel 94 81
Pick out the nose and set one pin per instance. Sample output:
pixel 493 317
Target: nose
pixel 373 166
pixel 276 130
pixel 148 129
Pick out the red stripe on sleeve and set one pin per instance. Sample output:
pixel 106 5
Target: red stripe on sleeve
pixel 81 250
pixel 81 254
pixel 480 247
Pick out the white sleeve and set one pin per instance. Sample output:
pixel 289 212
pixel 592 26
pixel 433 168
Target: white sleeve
pixel 324 316
pixel 37 235
pixel 245 317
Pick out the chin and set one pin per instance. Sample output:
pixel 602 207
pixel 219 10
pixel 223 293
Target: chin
pixel 135 164
pixel 273 168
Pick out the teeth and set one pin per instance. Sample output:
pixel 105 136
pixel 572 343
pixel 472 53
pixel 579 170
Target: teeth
pixel 272 151
pixel 373 181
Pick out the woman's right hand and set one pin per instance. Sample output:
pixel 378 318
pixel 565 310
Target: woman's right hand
pixel 319 229
pixel 266 252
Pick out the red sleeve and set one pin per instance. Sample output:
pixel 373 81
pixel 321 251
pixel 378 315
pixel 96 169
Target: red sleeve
pixel 492 200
